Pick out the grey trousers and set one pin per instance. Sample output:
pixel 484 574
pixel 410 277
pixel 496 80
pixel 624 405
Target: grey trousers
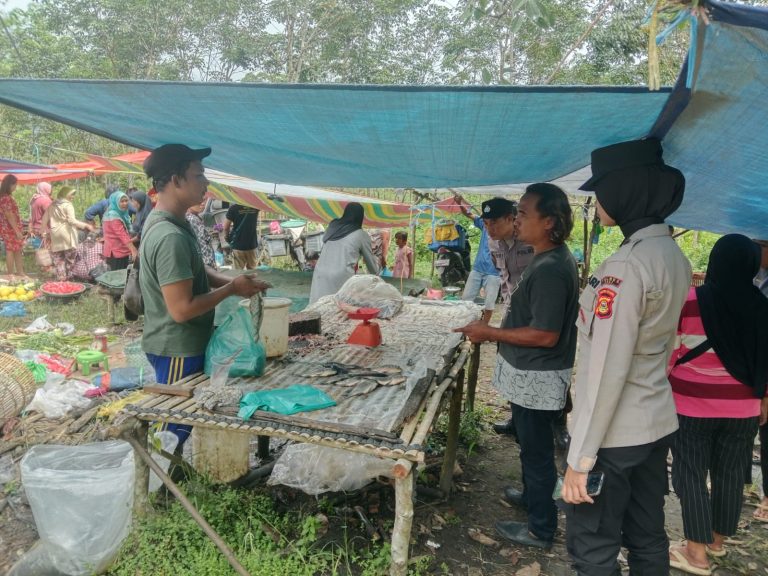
pixel 629 512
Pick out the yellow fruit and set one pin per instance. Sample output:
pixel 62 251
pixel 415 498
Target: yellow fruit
pixel 20 291
pixel 5 291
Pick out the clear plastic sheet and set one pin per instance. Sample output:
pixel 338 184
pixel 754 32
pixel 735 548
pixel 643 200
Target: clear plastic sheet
pixel 81 498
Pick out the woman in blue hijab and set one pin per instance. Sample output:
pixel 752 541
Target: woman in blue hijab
pixel 118 244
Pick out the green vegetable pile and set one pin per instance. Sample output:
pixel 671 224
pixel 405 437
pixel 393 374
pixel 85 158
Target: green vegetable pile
pixel 53 342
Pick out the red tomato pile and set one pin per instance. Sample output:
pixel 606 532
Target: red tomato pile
pixel 62 288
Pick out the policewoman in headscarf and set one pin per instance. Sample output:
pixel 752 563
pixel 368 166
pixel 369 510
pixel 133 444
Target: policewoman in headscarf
pixel 343 243
pixel 624 414
pixel 116 225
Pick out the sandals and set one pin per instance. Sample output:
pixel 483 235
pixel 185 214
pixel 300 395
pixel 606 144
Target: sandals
pixel 761 513
pixel 680 561
pixel 716 553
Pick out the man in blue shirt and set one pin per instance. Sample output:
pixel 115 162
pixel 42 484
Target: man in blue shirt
pixel 98 209
pixel 484 273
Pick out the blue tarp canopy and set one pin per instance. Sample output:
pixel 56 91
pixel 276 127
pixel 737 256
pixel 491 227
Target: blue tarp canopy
pixel 355 136
pixel 449 137
pixel 717 132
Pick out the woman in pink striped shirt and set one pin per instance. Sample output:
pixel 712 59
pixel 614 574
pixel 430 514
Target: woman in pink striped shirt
pixel 718 375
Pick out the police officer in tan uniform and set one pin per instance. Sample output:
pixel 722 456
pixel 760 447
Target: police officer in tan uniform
pixel 624 413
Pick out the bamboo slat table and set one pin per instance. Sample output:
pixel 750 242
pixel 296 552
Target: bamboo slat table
pixel 401 440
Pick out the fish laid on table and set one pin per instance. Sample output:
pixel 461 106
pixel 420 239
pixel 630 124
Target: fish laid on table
pixel 394 381
pixel 363 387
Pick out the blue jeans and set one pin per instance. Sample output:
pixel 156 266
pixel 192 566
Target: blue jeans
pixel 537 456
pixel 169 369
pixel 477 280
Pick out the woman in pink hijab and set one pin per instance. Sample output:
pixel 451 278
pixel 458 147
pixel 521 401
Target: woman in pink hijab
pixel 37 207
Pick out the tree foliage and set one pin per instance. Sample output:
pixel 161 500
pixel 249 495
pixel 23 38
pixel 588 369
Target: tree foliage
pixel 515 42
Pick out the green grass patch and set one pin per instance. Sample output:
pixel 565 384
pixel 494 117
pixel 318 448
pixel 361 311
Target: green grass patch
pixel 87 312
pixel 266 541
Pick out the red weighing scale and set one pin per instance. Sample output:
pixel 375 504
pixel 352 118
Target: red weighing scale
pixel 366 333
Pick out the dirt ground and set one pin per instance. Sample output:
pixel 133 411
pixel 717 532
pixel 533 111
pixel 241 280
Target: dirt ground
pixel 443 529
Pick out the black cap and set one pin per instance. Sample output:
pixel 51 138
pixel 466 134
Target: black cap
pixel 498 207
pixel 623 155
pixel 164 160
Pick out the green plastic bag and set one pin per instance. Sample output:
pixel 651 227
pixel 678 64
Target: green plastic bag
pixel 296 398
pixel 237 333
pixel 39 371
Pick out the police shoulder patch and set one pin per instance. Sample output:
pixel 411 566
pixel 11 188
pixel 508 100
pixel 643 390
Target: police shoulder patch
pixel 610 281
pixel 604 303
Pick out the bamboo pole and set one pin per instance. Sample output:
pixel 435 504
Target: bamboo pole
pixel 403 466
pixel 588 254
pixel 452 442
pixel 474 367
pixel 410 428
pixel 138 436
pixel 209 531
pixel 401 532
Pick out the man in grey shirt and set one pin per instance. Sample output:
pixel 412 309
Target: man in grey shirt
pixel 537 346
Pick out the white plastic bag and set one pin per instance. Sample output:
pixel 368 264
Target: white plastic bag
pixel 317 469
pixel 168 442
pixel 81 498
pixel 368 291
pixel 56 399
pixel 40 324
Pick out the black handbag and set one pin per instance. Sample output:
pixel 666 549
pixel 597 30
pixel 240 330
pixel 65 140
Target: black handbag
pixel 132 298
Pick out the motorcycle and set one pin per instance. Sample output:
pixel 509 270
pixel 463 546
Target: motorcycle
pixel 453 258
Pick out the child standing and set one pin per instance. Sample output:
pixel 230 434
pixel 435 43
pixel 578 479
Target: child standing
pixel 404 264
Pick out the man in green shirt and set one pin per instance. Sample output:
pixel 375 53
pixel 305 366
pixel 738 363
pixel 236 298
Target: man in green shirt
pixel 179 291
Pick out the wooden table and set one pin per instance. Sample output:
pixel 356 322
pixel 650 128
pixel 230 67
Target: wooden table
pixel 402 440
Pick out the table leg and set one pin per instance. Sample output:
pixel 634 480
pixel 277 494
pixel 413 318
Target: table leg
pixel 401 533
pixel 452 442
pixel 474 366
pixel 141 487
pixel 263 447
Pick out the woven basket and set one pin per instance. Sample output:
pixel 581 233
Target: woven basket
pixel 17 387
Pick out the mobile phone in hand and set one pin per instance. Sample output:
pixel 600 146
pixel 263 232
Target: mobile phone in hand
pixel 594 485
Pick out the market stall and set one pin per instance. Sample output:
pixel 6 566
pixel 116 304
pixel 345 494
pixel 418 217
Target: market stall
pixel 387 399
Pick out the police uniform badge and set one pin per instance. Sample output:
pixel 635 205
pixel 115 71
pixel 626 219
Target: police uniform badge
pixel 604 304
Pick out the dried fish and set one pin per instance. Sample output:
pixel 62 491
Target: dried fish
pixel 390 369
pixel 211 397
pixel 394 381
pixel 349 382
pixel 321 373
pixel 363 387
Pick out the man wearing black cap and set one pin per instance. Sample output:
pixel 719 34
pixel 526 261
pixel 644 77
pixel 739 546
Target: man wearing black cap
pixel 510 255
pixel 624 413
pixel 537 345
pixel 484 273
pixel 175 284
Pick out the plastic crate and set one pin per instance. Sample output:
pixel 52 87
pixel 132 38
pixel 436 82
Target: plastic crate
pixel 277 244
